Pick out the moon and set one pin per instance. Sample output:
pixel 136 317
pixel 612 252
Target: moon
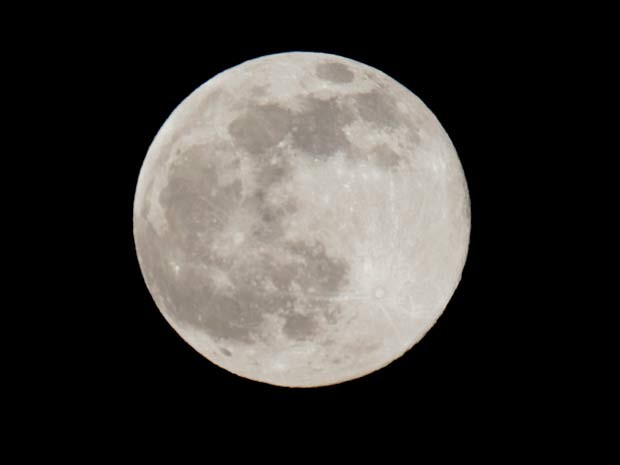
pixel 301 219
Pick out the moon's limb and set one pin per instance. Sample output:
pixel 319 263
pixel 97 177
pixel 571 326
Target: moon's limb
pixel 301 219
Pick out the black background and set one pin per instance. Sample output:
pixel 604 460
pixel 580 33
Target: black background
pixel 479 365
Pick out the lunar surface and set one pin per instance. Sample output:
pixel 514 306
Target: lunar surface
pixel 301 219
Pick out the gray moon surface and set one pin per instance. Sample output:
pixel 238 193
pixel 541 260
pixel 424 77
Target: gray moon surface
pixel 301 219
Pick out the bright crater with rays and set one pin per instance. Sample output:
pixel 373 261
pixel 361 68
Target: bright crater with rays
pixel 301 219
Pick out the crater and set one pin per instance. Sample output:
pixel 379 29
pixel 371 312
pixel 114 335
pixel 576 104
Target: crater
pixel 261 127
pixel 318 130
pixel 334 72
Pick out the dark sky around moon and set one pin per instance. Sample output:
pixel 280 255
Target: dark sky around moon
pixel 121 352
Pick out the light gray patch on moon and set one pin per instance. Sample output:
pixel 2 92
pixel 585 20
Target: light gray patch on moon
pixel 273 173
pixel 318 130
pixel 258 91
pixel 154 258
pixel 380 108
pixel 267 227
pixel 261 127
pixel 207 103
pixel 385 157
pixel 146 205
pixel 319 273
pixel 193 205
pixel 299 326
pixel 335 72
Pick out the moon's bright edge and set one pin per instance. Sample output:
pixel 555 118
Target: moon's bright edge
pixel 301 219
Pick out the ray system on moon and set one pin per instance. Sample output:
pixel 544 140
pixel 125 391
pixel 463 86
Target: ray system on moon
pixel 301 219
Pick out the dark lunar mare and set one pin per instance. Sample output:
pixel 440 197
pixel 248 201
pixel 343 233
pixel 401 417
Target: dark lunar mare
pixel 335 72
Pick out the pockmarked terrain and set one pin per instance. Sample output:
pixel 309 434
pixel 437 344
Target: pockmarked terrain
pixel 301 219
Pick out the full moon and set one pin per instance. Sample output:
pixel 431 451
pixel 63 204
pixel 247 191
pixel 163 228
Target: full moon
pixel 301 219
